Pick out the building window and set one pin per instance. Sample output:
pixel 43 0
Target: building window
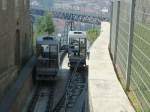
pixel 4 4
pixel 16 4
pixel 25 3
pixel 17 8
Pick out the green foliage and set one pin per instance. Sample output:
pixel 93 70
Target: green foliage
pixel 45 24
pixel 92 34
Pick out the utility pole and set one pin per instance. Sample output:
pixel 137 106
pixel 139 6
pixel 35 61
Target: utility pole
pixel 130 47
pixel 117 29
pixel 71 22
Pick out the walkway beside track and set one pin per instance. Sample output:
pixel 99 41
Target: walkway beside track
pixel 105 91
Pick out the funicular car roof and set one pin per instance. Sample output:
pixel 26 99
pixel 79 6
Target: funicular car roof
pixel 50 41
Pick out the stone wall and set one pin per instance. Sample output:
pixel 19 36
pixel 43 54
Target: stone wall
pixel 22 96
pixel 14 16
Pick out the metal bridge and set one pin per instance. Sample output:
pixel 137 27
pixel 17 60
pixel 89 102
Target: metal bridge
pixel 70 15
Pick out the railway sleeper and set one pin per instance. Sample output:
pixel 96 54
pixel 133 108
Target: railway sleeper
pixel 76 85
pixel 73 98
pixel 74 94
pixel 75 91
pixel 70 105
pixel 80 86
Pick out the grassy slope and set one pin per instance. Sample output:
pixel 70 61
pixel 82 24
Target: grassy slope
pixel 93 34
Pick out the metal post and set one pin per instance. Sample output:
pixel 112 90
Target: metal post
pixel 71 22
pixel 71 25
pixel 117 30
pixel 111 25
pixel 130 47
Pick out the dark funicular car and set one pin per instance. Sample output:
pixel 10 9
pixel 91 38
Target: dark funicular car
pixel 48 59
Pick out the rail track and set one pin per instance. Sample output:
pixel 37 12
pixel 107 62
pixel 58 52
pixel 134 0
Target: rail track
pixel 42 100
pixel 75 86
pixel 74 89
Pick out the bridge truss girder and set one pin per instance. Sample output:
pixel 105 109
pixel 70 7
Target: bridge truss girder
pixel 71 16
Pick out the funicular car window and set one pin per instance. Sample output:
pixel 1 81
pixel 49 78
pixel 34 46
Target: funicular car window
pixel 48 56
pixel 53 48
pixel 82 46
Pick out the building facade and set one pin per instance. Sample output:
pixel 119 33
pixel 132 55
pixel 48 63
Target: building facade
pixel 15 40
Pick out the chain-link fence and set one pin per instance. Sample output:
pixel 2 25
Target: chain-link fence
pixel 130 46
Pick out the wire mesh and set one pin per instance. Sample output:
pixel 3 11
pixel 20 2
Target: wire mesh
pixel 141 53
pixel 140 64
pixel 123 36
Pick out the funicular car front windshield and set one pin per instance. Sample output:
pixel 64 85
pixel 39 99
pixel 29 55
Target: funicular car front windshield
pixel 82 45
pixel 49 56
pixel 50 51
pixel 49 48
pixel 78 46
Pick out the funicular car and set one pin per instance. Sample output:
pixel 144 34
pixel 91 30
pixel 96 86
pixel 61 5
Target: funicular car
pixel 48 59
pixel 77 49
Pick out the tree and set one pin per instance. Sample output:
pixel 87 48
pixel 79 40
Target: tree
pixel 45 24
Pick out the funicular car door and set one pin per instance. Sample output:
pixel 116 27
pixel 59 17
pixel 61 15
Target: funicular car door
pixel 82 47
pixel 53 56
pixel 74 46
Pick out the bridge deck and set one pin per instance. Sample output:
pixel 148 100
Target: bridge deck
pixel 106 93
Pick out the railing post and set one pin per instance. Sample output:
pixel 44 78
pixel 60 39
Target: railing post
pixel 110 40
pixel 117 30
pixel 130 47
